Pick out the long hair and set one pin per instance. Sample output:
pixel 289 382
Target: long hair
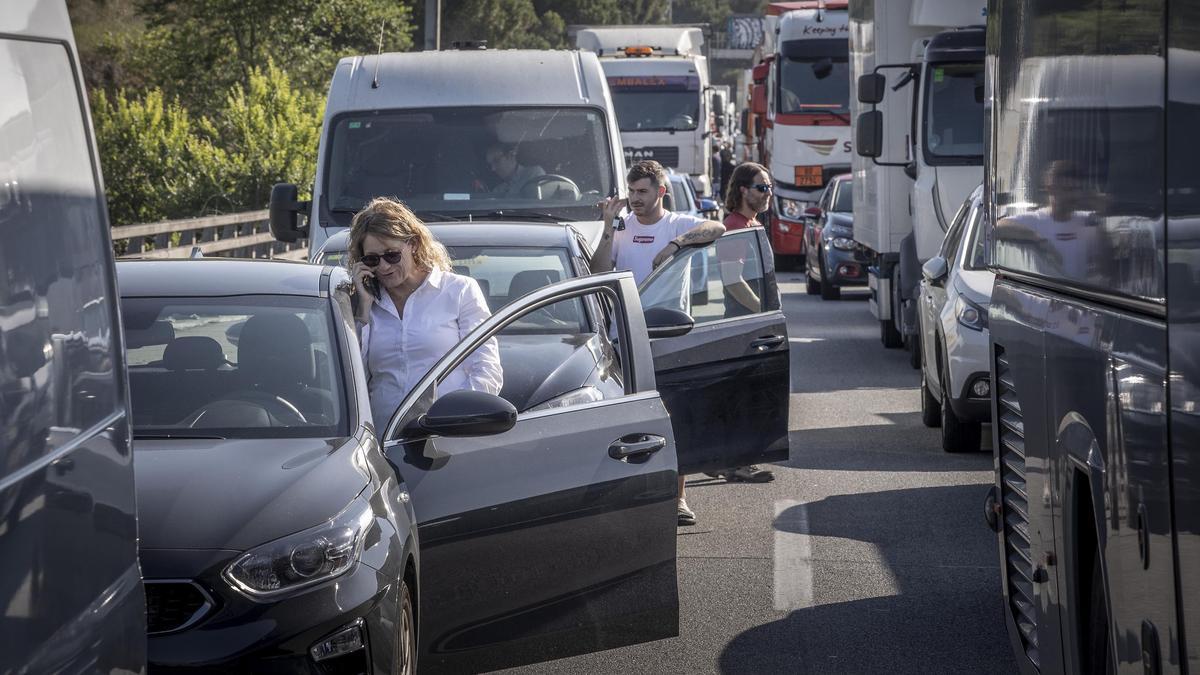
pixel 743 177
pixel 388 217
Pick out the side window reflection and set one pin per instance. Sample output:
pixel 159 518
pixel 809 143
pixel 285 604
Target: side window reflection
pixel 720 281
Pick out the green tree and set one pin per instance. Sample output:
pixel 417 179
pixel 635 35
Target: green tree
pixel 504 24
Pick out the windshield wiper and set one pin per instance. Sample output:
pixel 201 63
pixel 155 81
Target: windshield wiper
pixel 519 214
pixel 189 437
pixel 439 217
pixel 845 117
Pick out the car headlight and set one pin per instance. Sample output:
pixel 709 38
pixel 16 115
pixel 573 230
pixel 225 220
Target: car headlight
pixel 305 558
pixel 791 209
pixel 843 243
pixel 970 314
pixel 586 394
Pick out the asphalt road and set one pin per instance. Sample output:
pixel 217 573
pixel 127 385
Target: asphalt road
pixel 868 554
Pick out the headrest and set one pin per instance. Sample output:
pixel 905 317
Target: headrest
pixel 193 352
pixel 527 281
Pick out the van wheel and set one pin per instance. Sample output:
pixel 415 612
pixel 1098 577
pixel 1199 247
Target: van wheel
pixel 957 435
pixel 888 335
pixel 931 408
pixel 811 286
pixel 406 635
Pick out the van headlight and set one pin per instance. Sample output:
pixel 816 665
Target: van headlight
pixel 970 314
pixel 305 558
pixel 791 209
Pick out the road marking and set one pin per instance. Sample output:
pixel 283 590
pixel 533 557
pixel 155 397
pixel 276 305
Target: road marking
pixel 793 556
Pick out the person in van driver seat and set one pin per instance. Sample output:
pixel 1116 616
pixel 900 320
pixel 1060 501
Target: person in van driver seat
pixel 412 309
pixel 651 235
pixel 502 158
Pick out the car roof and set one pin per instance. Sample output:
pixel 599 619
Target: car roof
pixel 205 277
pixel 545 235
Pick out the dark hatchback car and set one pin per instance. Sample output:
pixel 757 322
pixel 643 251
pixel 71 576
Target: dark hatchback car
pixel 833 259
pixel 280 537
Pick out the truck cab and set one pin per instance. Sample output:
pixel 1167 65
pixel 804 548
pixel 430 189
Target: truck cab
pixel 660 88
pixel 513 135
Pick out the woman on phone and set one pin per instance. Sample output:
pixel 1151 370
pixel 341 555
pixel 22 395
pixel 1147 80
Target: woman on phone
pixel 412 309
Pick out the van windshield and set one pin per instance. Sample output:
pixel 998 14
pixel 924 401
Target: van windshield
pixel 459 162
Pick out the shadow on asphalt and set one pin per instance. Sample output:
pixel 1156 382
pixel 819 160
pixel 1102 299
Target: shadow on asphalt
pixel 881 447
pixel 946 610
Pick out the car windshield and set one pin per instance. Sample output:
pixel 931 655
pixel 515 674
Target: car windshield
pixel 844 199
pixel 656 103
pixel 248 366
pixel 814 77
pixel 472 161
pixel 954 112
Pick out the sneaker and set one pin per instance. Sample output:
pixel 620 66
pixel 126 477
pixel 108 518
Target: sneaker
pixel 749 474
pixel 686 515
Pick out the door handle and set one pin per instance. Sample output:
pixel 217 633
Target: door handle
pixel 636 446
pixel 766 342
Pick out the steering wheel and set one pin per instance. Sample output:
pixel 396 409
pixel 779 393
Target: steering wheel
pixel 538 181
pixel 683 122
pixel 278 409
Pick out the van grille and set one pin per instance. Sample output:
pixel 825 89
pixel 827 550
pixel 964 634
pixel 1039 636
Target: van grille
pixel 1015 498
pixel 174 605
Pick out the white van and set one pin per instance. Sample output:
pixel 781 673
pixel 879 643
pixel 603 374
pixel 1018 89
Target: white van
pixel 474 135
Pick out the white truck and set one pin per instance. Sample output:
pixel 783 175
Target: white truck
pixel 472 135
pixel 804 138
pixel 917 66
pixel 659 81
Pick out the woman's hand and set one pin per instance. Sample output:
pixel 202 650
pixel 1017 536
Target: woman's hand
pixel 360 273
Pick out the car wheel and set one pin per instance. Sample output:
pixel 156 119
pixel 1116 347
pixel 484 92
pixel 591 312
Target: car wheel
pixel 406 638
pixel 914 351
pixel 888 335
pixel 931 408
pixel 957 435
pixel 811 286
pixel 828 290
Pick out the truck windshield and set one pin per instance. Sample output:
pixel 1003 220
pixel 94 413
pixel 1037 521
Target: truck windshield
pixel 649 103
pixel 814 77
pixel 954 113
pixel 460 162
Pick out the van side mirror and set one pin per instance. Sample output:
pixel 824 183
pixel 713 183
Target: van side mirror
pixel 664 322
pixel 285 210
pixel 871 88
pixel 868 140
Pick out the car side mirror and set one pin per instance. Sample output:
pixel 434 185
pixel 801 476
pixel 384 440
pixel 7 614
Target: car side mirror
pixel 871 88
pixel 936 268
pixel 665 322
pixel 813 212
pixel 707 205
pixel 468 413
pixel 285 211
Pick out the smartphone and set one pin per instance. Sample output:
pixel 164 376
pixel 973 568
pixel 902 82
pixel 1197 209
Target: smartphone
pixel 372 284
pixel 618 221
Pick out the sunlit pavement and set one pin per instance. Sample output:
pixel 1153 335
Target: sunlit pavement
pixel 868 554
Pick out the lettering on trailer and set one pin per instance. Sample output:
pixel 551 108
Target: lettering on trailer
pixel 667 82
pixel 827 31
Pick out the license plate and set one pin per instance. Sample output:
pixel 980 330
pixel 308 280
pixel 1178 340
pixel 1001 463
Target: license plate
pixel 808 176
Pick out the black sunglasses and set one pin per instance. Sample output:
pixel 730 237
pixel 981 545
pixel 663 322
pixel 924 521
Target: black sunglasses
pixel 372 259
pixel 763 187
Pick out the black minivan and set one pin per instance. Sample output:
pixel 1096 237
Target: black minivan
pixel 71 597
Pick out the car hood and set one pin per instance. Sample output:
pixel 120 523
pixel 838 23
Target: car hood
pixel 236 494
pixel 839 224
pixel 976 286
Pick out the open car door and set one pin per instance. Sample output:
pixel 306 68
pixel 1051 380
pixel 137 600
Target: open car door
pixel 726 382
pixel 545 515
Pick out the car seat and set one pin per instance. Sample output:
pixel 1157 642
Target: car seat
pixel 275 357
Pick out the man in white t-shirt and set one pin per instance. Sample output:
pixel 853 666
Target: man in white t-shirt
pixel 651 235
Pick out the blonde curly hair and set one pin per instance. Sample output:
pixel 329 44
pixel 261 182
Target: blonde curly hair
pixel 389 217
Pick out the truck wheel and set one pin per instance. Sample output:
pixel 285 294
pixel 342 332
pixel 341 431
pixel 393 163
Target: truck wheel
pixel 888 335
pixel 957 435
pixel 931 408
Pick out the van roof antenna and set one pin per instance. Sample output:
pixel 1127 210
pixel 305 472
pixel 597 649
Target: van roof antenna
pixel 378 56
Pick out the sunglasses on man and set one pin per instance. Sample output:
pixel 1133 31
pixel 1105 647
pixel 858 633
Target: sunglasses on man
pixel 372 259
pixel 762 187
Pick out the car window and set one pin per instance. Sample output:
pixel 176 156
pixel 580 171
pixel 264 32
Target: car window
pixel 549 370
pixel 719 281
pixel 843 199
pixel 505 273
pixel 975 256
pixel 234 367
pixel 59 352
pixel 954 233
pixel 679 197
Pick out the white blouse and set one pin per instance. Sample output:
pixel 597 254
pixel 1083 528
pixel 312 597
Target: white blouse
pixel 399 352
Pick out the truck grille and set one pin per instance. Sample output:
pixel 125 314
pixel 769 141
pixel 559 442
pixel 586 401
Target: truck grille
pixel 1018 565
pixel 668 156
pixel 174 605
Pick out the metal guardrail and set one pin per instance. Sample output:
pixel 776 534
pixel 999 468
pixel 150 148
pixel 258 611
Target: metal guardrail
pixel 235 235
